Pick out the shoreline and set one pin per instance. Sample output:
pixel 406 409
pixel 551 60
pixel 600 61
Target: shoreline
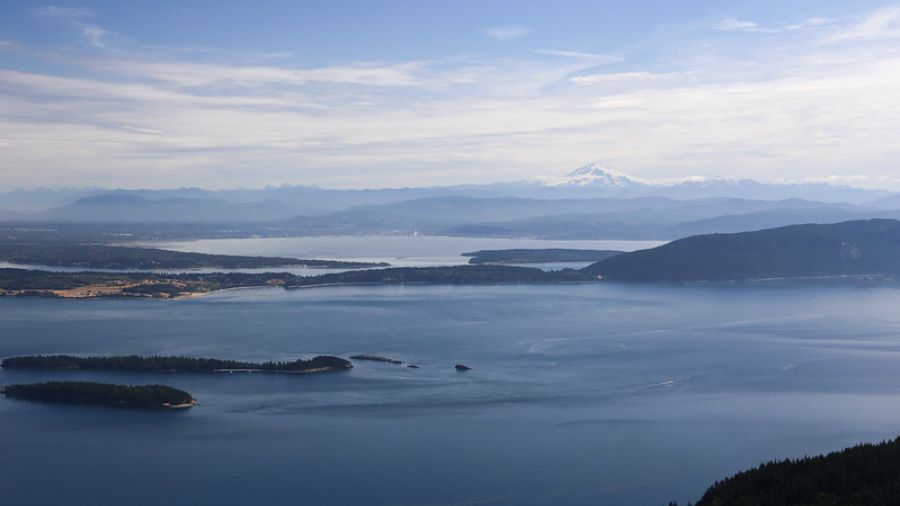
pixel 169 365
pixel 116 291
pixel 273 371
pixel 186 405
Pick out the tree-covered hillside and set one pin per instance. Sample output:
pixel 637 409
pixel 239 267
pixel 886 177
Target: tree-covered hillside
pixel 865 475
pixel 853 248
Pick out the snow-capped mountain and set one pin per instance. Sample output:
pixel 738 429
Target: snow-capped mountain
pixel 597 177
pixel 594 181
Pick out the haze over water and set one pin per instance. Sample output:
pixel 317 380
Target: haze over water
pixel 398 250
pixel 585 394
pixel 760 135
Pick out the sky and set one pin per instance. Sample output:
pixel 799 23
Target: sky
pixel 156 94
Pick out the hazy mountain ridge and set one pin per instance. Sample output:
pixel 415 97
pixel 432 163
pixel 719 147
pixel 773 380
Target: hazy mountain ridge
pixel 587 203
pixel 128 207
pixel 589 181
pixel 507 217
pixel 642 217
pixel 634 227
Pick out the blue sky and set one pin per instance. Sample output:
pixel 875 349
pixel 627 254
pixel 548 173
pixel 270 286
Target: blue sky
pixel 365 93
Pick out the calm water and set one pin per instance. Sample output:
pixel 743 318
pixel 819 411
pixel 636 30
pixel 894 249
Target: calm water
pixel 596 394
pixel 399 251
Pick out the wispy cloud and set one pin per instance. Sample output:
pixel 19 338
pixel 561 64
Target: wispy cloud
pixel 632 78
pixel 506 32
pixel 739 25
pixel 222 75
pixel 76 17
pixel 883 24
pixel 7 45
pixel 744 25
pixel 138 118
pixel 598 58
pixel 74 13
pixel 811 23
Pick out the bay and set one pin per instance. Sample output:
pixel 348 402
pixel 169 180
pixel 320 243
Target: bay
pixel 601 393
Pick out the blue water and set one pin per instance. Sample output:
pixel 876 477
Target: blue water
pixel 398 250
pixel 579 395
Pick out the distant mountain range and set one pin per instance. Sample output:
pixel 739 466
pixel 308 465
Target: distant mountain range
pixel 635 218
pixel 127 207
pixel 587 203
pixel 592 181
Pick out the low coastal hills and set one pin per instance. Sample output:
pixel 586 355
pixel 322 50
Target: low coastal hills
pixel 104 256
pixel 850 249
pixel 853 249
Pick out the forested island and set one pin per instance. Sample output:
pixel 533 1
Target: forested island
pixel 100 256
pixel 534 256
pixel 137 363
pixel 103 394
pixel 864 475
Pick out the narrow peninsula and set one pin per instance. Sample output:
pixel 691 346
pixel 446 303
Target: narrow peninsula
pixel 451 275
pixel 102 256
pixel 536 256
pixel 376 358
